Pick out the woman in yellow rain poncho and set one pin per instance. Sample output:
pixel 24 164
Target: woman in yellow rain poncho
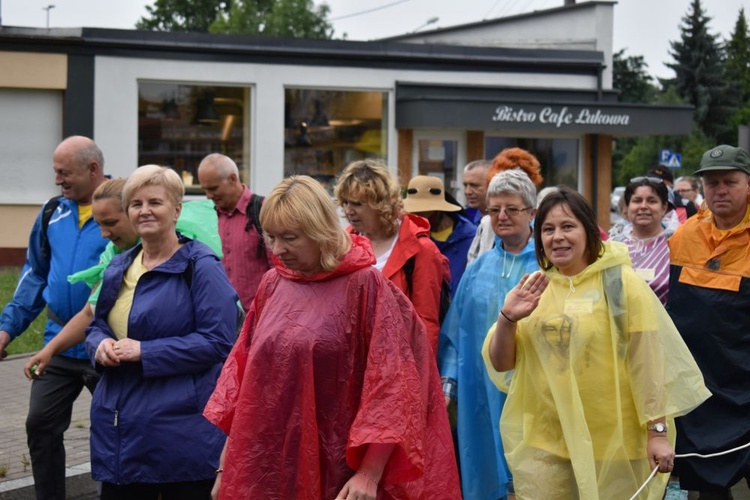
pixel 600 371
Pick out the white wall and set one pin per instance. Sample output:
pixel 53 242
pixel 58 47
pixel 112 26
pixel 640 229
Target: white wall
pixel 116 98
pixel 30 129
pixel 584 27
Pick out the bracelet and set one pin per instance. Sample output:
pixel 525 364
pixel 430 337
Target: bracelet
pixel 219 470
pixel 506 316
pixel 368 477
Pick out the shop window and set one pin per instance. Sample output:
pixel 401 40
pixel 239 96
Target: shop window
pixel 558 157
pixel 178 125
pixel 327 129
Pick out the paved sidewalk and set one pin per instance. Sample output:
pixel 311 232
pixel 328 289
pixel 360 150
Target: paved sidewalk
pixel 14 453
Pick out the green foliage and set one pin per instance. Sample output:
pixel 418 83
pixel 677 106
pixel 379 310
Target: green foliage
pixel 287 18
pixel 32 339
pixel 643 153
pixel 700 74
pixel 738 57
pixel 182 15
pixel 631 79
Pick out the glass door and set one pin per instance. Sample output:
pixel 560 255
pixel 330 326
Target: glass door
pixel 443 155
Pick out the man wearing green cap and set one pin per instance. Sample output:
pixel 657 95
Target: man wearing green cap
pixel 709 302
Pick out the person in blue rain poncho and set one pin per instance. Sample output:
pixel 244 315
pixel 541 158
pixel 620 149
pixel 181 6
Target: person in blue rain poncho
pixel 511 202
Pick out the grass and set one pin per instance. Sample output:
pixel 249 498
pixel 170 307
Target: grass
pixel 32 338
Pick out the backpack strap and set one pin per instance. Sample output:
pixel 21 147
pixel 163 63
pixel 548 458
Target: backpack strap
pixel 47 212
pixel 445 287
pixel 253 216
pixel 613 292
pixel 409 272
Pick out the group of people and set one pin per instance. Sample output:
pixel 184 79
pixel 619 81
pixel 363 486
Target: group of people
pixel 252 347
pixel 163 318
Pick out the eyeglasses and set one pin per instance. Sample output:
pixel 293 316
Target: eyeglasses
pixel 683 191
pixel 509 211
pixel 435 191
pixel 647 178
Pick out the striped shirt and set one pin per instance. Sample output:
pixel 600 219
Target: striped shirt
pixel 650 257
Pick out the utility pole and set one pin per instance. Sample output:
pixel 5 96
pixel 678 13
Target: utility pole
pixel 48 8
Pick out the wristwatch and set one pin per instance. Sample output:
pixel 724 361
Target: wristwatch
pixel 657 427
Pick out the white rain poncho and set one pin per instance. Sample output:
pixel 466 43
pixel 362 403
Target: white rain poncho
pixel 596 361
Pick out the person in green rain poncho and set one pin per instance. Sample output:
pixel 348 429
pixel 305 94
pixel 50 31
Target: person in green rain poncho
pixel 197 221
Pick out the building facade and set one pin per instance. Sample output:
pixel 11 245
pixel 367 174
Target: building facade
pixel 426 104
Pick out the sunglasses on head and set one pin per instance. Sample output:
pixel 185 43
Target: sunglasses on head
pixel 649 178
pixel 435 191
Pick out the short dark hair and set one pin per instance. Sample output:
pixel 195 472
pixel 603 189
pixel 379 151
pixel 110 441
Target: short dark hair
pixel 581 210
pixel 661 172
pixel 657 185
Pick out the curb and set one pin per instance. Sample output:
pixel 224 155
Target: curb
pixel 78 485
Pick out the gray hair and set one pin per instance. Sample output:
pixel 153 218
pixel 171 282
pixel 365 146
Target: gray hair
pixel 223 165
pixel 690 180
pixel 513 181
pixel 86 152
pixel 545 192
pixel 485 164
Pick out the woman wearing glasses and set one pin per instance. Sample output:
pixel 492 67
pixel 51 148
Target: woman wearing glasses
pixel 371 201
pixel 507 159
pixel 511 205
pixel 646 199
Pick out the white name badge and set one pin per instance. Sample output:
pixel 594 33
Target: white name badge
pixel 579 306
pixel 646 274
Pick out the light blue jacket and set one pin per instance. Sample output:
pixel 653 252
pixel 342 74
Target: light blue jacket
pixel 44 281
pixel 474 309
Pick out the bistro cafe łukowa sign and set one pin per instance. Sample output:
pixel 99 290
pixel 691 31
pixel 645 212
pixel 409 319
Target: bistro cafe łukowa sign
pixel 560 116
pixel 420 106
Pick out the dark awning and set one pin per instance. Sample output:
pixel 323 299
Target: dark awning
pixel 545 110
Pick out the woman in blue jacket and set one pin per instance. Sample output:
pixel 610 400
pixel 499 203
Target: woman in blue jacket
pixel 511 205
pixel 164 323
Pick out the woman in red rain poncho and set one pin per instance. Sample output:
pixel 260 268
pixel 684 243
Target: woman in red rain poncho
pixel 331 390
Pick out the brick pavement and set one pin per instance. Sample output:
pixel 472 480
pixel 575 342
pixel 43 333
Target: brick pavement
pixel 14 454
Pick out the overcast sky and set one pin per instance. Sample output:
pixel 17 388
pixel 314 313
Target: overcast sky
pixel 643 27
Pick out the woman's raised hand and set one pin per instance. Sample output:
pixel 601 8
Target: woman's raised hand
pixel 524 297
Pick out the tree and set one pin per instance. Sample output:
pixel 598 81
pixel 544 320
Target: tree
pixel 288 18
pixel 700 75
pixel 738 56
pixel 631 79
pixel 182 15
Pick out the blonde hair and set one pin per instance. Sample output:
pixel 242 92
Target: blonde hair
pixel 110 189
pixel 300 202
pixel 154 175
pixel 370 181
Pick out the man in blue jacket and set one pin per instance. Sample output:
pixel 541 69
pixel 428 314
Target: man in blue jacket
pixel 62 241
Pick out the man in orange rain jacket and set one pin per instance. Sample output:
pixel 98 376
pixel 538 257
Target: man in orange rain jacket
pixel 709 302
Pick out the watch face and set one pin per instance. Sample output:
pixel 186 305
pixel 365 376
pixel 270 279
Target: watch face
pixel 659 427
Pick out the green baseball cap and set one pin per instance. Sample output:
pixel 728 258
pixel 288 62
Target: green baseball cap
pixel 724 157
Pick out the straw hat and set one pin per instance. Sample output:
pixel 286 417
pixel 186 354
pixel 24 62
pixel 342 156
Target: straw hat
pixel 427 194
